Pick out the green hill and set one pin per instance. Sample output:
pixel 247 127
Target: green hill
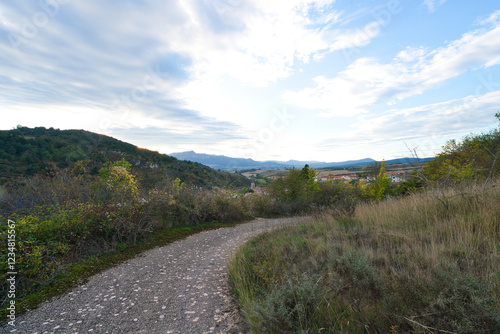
pixel 28 151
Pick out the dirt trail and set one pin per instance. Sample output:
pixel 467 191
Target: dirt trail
pixel 180 288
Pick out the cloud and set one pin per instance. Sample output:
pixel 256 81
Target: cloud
pixel 180 128
pixel 179 69
pixel 413 71
pixel 89 53
pixel 423 125
pixel 432 5
pixel 492 19
pixel 167 140
pixel 206 136
pixel 260 42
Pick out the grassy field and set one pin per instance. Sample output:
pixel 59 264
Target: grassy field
pixel 425 263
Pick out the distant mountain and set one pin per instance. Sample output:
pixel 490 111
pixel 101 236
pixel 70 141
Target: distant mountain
pixel 343 164
pixel 27 151
pixel 407 161
pixel 223 162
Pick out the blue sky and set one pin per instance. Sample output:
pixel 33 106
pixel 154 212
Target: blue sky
pixel 270 80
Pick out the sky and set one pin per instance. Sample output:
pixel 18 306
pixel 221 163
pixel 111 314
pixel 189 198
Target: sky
pixel 326 80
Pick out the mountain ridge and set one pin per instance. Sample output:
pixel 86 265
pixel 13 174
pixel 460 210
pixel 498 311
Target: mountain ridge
pixel 223 162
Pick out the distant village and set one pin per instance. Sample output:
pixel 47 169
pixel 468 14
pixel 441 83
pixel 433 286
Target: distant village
pixel 396 177
pixel 325 176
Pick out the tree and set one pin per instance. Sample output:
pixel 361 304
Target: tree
pixel 116 176
pixel 472 159
pixel 372 169
pixel 297 186
pixel 381 187
pixel 309 176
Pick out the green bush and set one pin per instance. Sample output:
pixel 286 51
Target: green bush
pixel 290 306
pixel 265 206
pixel 180 205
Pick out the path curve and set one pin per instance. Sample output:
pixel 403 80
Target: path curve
pixel 179 288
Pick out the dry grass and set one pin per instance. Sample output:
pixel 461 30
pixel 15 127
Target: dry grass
pixel 465 230
pixel 417 264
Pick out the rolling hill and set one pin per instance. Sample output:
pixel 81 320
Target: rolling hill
pixel 28 151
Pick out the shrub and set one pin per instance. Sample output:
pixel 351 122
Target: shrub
pixel 406 265
pixel 290 306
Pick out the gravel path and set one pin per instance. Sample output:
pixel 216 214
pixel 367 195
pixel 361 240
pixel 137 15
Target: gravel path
pixel 180 288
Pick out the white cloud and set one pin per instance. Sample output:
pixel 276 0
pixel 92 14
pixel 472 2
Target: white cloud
pixel 269 40
pixel 432 5
pixel 339 96
pixel 425 125
pixel 414 70
pixel 105 53
pixel 145 65
pixel 94 119
pixel 493 19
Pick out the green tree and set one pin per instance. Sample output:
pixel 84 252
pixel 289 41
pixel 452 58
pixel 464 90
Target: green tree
pixel 309 176
pixel 116 177
pixel 408 187
pixel 381 187
pixel 474 158
pixel 297 186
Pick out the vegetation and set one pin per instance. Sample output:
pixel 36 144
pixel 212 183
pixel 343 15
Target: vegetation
pixel 405 265
pixel 298 192
pixel 380 258
pixel 27 152
pixel 426 262
pixel 475 158
pixel 381 187
pixel 260 181
pixel 69 222
pixel 81 200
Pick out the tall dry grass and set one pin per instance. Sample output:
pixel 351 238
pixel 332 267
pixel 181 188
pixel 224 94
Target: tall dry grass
pixel 416 264
pixel 464 230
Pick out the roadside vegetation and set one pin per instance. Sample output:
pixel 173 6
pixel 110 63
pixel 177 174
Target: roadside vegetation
pixel 73 224
pixel 420 258
pixel 398 266
pixel 80 201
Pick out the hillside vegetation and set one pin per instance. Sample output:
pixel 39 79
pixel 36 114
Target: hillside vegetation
pixel 80 201
pixel 27 152
pixel 113 198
